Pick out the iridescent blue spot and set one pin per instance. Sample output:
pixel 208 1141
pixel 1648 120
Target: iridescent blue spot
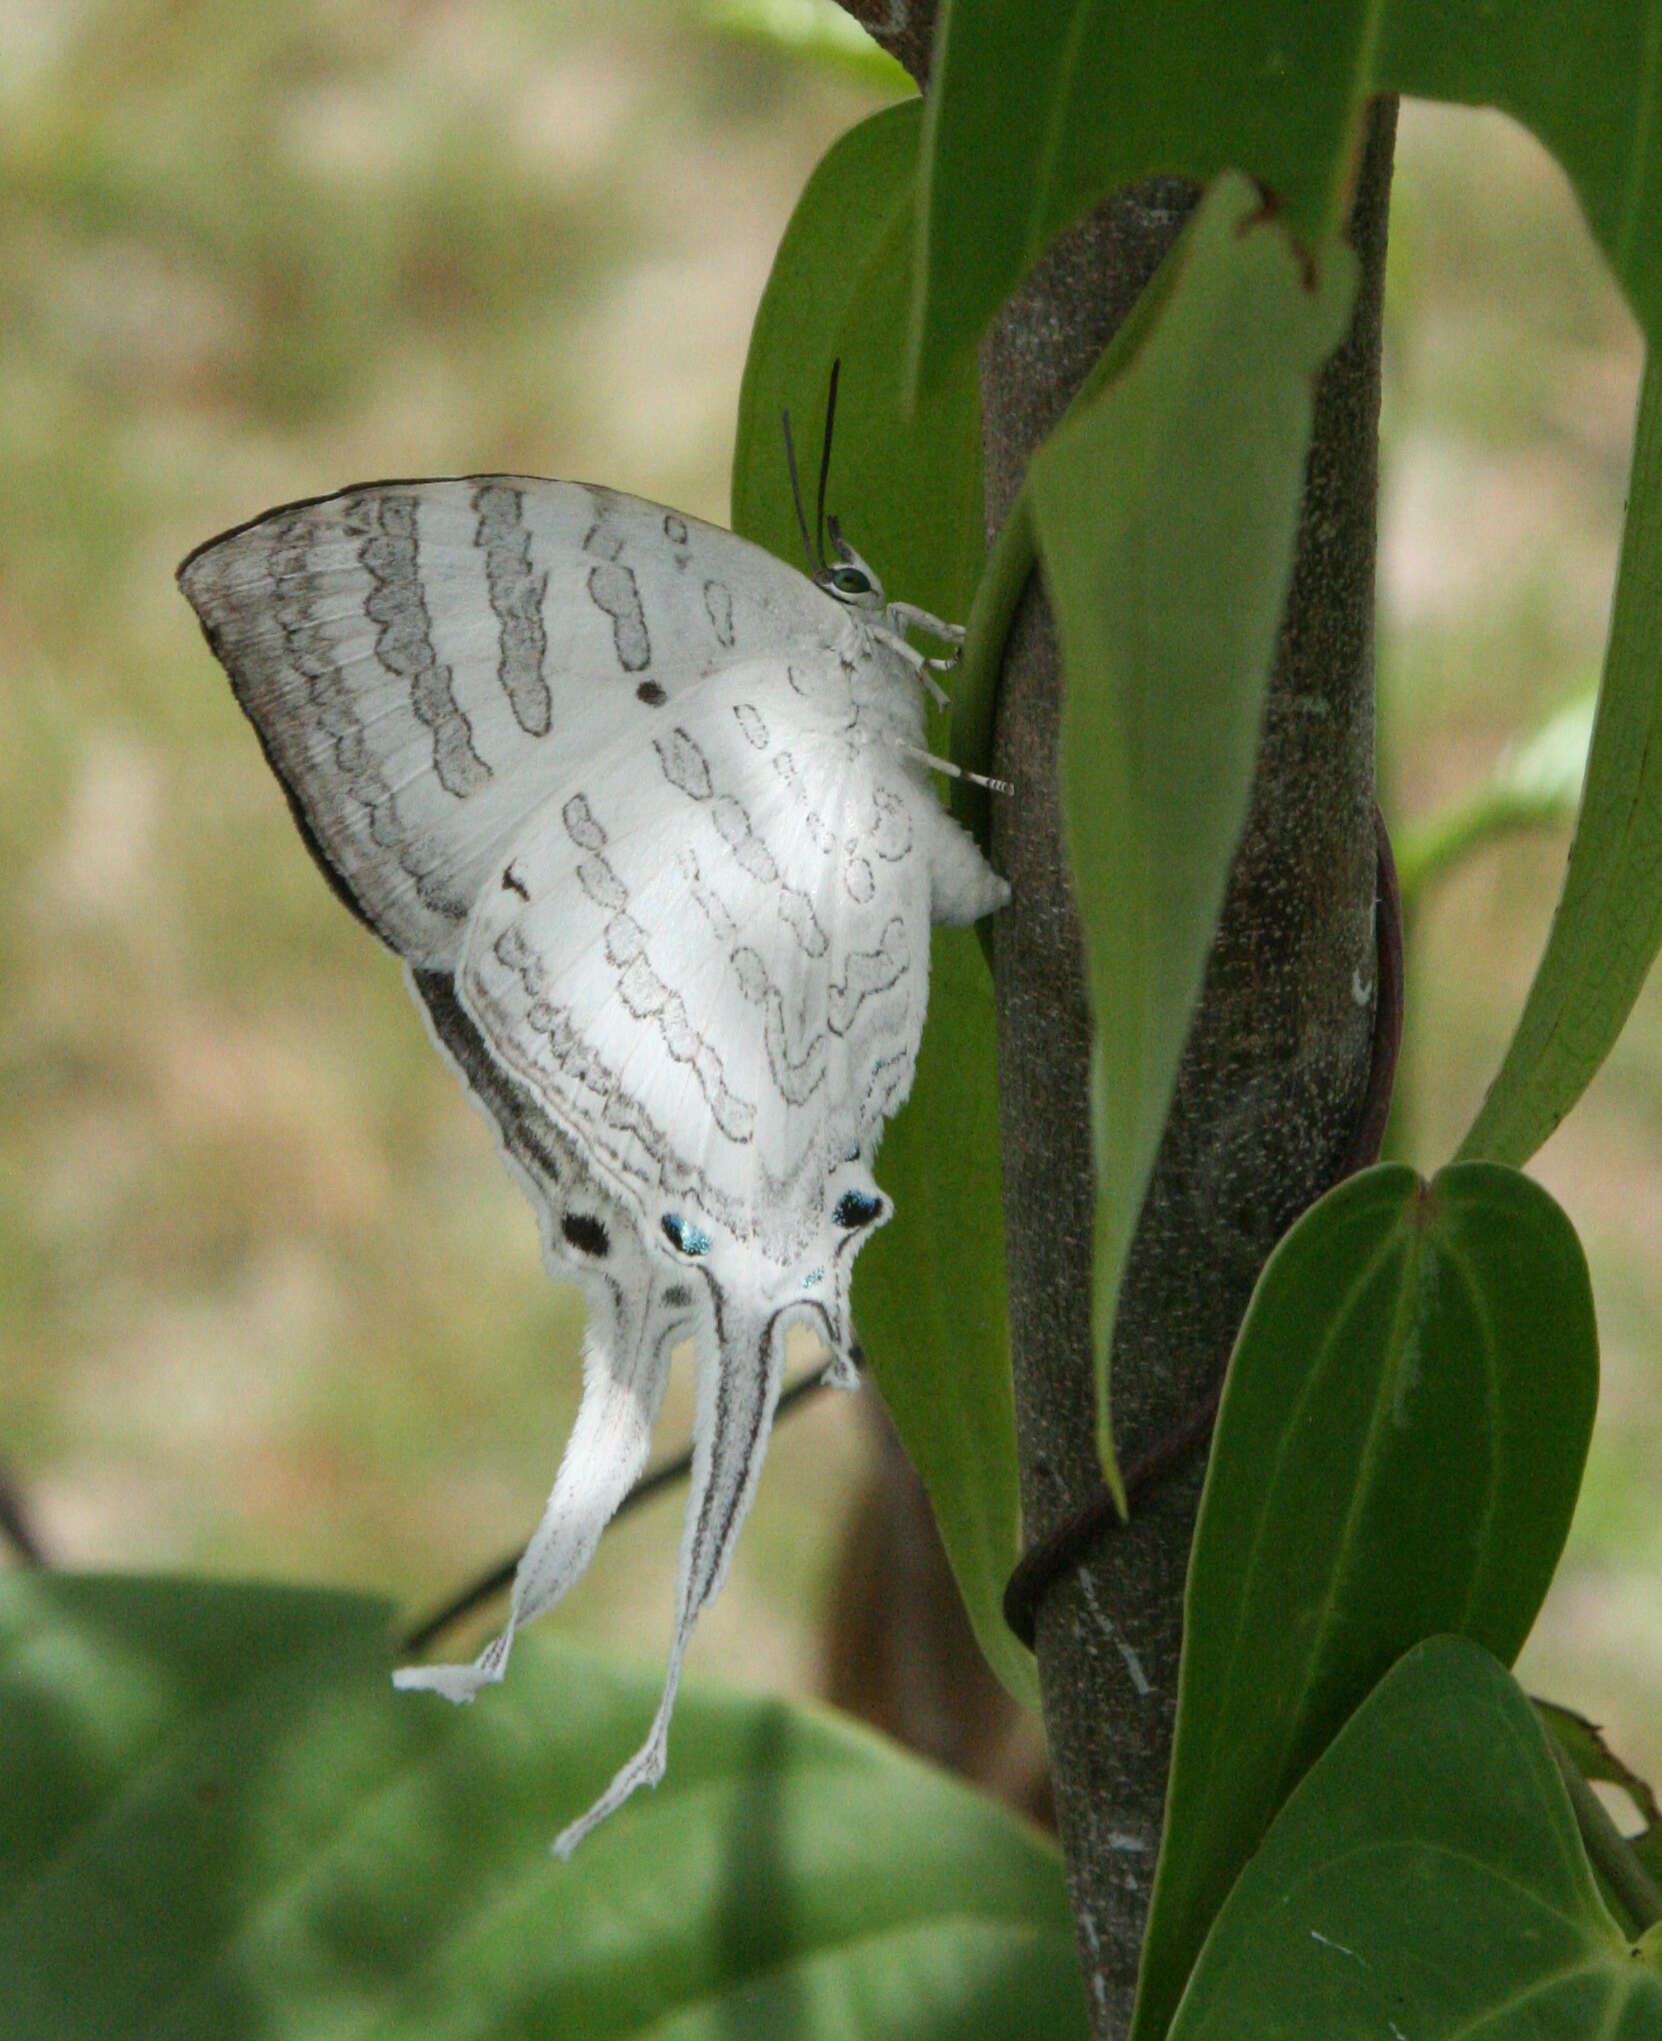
pixel 812 1277
pixel 854 1208
pixel 685 1237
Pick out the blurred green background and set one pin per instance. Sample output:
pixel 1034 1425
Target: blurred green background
pixel 268 1303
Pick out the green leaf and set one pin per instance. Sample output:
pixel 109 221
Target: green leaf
pixel 1608 926
pixel 221 1822
pixel 929 1294
pixel 817 30
pixel 1533 784
pixel 908 488
pixel 1398 1452
pixel 1425 1881
pixel 1166 512
pixel 1035 113
pixel 929 1288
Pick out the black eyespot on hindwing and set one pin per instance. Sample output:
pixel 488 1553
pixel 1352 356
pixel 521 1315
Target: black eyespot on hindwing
pixel 587 1234
pixel 854 1208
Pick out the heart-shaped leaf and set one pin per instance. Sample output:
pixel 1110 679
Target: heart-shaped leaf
pixel 1426 1882
pixel 1398 1453
pixel 218 1820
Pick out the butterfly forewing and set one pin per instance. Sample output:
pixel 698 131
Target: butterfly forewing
pixel 423 660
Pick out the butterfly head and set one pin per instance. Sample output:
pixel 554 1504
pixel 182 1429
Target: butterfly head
pixel 846 577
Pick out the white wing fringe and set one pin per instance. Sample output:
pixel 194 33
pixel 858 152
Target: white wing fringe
pixel 602 1461
pixel 738 1390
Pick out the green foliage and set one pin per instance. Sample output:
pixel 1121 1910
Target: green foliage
pixel 1165 514
pixel 907 488
pixel 218 1819
pixel 1426 1879
pixel 1609 922
pixel 1036 112
pixel 818 29
pixel 1533 784
pixel 931 1298
pixel 1397 1454
pixel 929 1288
pixel 223 1825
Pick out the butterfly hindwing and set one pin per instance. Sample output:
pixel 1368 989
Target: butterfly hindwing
pixel 710 952
pixel 640 1305
pixel 422 659
pixel 639 1309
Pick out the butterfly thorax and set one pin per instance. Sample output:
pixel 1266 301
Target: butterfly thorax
pixel 882 689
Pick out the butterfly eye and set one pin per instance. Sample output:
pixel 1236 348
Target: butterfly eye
pixel 684 1237
pixel 854 1208
pixel 849 582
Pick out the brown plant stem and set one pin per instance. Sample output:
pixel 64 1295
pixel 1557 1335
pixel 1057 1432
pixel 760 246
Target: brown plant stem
pixel 1272 1076
pixel 905 28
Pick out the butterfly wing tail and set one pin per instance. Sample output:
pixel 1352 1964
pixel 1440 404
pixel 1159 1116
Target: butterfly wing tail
pixel 626 1353
pixel 738 1389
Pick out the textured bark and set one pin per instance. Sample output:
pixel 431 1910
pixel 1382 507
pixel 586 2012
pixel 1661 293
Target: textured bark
pixel 905 28
pixel 1271 1077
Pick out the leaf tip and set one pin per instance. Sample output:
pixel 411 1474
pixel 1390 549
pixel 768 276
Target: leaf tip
pixel 1110 1463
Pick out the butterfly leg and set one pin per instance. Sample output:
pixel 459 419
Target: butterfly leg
pixel 626 1352
pixel 932 687
pixel 954 772
pixel 924 667
pixel 908 617
pixel 738 1388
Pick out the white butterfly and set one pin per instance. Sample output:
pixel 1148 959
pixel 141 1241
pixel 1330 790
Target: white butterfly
pixel 647 815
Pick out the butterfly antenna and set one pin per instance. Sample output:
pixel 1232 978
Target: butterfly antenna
pixel 796 492
pixel 825 460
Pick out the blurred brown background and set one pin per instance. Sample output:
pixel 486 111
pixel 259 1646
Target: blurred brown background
pixel 267 1302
